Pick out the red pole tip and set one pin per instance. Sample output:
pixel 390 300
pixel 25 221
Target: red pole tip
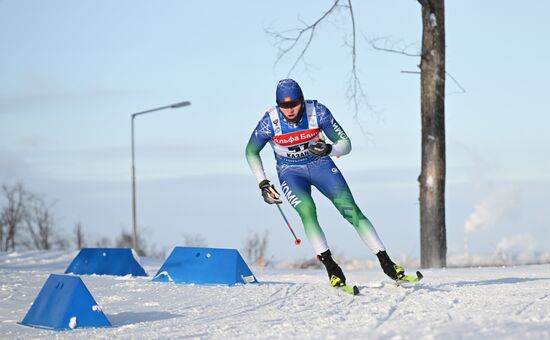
pixel 297 242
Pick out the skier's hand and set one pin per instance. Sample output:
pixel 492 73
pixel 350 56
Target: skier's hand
pixel 320 148
pixel 269 193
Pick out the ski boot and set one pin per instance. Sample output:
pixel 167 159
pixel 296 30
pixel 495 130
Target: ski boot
pixel 395 271
pixel 335 274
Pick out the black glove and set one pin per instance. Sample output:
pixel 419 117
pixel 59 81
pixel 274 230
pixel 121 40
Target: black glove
pixel 269 193
pixel 320 148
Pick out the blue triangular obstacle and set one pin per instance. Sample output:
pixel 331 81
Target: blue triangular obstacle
pixel 106 261
pixel 65 303
pixel 205 266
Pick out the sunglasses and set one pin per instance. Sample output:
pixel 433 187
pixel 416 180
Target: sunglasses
pixel 288 105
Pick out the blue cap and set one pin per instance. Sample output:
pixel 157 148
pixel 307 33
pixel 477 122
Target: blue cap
pixel 288 90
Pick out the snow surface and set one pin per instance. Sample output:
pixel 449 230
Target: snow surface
pixel 455 303
pixel 72 322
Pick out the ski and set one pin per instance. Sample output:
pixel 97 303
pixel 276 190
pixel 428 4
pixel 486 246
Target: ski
pixel 407 279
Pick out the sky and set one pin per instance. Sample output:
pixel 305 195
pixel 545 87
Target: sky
pixel 72 73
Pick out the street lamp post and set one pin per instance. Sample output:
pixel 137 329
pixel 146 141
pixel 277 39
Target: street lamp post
pixel 134 223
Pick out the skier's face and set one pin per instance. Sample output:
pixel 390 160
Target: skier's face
pixel 291 110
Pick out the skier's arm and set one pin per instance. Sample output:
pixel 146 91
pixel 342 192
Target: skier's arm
pixel 252 152
pixel 254 160
pixel 341 143
pixel 260 137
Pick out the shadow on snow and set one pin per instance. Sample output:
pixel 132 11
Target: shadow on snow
pixel 504 280
pixel 128 318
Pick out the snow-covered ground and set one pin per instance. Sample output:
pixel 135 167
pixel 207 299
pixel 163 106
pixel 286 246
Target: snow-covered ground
pixel 489 302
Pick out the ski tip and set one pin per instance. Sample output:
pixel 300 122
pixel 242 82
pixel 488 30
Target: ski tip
pixel 419 275
pixel 355 290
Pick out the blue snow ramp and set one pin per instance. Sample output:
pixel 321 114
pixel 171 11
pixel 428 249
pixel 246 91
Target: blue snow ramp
pixel 106 261
pixel 207 266
pixel 63 303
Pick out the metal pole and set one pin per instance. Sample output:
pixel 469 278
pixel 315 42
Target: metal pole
pixel 297 241
pixel 134 228
pixel 134 218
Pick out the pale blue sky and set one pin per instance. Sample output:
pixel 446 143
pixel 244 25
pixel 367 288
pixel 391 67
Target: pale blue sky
pixel 72 73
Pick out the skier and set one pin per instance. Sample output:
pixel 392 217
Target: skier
pixel 294 128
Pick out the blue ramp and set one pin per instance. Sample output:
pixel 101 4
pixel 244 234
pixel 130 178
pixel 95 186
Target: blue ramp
pixel 205 266
pixel 106 261
pixel 64 302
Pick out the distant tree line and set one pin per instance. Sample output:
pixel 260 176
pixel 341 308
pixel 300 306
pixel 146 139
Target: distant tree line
pixel 28 222
pixel 255 249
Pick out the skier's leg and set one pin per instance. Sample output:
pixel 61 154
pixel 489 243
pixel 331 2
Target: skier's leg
pixel 329 180
pixel 295 186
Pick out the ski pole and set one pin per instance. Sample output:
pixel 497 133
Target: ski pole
pixel 297 241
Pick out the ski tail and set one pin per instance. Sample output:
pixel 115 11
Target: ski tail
pixel 351 290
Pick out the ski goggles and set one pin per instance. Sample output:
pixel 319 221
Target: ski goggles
pixel 290 104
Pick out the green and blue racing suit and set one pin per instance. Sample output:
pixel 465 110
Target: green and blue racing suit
pixel 298 170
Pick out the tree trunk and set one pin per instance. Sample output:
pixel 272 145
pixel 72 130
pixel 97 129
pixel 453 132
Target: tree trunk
pixel 79 235
pixel 433 241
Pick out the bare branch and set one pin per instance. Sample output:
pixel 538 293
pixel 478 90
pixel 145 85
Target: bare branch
pixel 393 48
pixel 462 89
pixel 355 88
pixel 286 42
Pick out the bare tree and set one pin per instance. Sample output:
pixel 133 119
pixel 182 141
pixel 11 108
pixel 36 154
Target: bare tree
pixel 13 214
pixel 432 69
pixel 433 239
pixel 103 242
pixel 194 240
pixel 28 217
pixel 255 249
pixel 79 235
pixel 39 220
pixel 125 240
